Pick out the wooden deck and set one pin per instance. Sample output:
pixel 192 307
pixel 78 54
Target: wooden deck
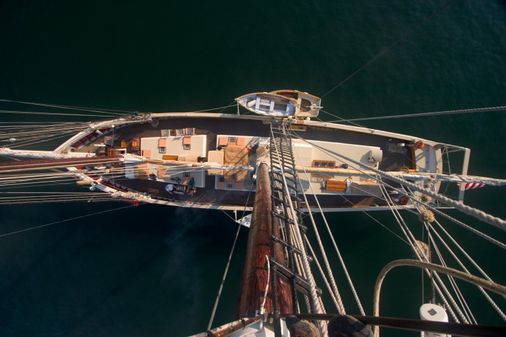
pixel 392 160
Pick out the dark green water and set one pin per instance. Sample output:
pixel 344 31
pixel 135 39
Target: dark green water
pixel 154 271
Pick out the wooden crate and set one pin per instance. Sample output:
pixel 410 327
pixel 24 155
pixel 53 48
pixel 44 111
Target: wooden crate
pixel 336 185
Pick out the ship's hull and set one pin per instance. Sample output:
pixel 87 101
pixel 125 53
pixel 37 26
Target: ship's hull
pixel 163 149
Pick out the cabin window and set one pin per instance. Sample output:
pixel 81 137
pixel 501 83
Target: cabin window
pixel 189 131
pixel 324 163
pixel 187 143
pixel 136 144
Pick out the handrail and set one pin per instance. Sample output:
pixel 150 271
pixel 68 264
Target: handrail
pixel 415 325
pixel 478 281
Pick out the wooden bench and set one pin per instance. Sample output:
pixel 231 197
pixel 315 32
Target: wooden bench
pixel 170 157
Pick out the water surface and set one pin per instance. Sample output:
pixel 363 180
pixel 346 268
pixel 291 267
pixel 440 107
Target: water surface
pixel 154 271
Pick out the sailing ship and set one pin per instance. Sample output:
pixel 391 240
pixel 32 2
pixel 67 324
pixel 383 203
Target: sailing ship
pixel 280 165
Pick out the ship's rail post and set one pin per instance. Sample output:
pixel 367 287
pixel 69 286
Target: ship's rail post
pixel 465 167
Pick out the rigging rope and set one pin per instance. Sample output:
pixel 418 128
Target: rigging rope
pixel 384 50
pixel 335 291
pixel 70 107
pixel 485 275
pixel 466 226
pixel 489 299
pixel 433 208
pixel 35 124
pixel 340 119
pixel 424 114
pixel 229 261
pixel 210 109
pixel 460 297
pixel 40 140
pixel 359 69
pixel 262 306
pixel 225 273
pixel 462 250
pixel 338 252
pixel 438 285
pixel 474 212
pixel 216 108
pixel 324 277
pixel 61 221
pixel 43 113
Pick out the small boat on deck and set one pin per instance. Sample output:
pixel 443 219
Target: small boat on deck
pixel 281 103
pixel 268 104
pixel 307 105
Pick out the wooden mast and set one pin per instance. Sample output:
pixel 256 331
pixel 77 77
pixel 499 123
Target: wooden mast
pixel 260 245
